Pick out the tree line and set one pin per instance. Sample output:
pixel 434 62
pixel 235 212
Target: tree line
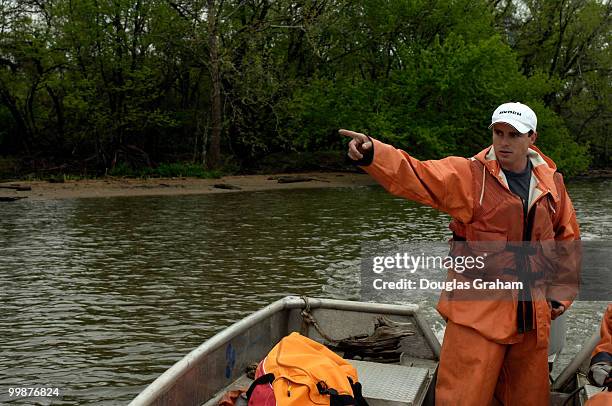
pixel 99 83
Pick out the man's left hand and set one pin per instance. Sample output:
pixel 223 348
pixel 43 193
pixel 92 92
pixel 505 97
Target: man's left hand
pixel 556 311
pixel 600 373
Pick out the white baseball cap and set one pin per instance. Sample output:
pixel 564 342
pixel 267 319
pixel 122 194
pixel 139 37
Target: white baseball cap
pixel 518 115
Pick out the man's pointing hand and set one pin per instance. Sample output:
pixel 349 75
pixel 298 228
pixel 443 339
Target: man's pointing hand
pixel 358 144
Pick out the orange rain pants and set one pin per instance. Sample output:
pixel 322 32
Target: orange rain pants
pixel 471 364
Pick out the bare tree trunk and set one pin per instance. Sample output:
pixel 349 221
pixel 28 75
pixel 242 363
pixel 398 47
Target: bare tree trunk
pixel 59 112
pixel 214 150
pixel 23 128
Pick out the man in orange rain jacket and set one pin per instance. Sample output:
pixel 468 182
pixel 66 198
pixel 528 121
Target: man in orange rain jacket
pixel 600 373
pixel 508 192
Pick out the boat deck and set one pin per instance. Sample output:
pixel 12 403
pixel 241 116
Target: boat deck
pixel 403 384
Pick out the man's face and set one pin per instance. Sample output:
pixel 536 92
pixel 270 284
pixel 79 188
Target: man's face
pixel 511 146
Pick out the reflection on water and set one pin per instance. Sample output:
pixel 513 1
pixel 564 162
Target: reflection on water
pixel 99 296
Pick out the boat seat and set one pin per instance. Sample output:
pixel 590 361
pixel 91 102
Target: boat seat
pixel 391 384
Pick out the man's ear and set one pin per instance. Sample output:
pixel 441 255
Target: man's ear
pixel 533 137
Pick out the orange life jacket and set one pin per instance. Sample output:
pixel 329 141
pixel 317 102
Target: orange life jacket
pixel 300 371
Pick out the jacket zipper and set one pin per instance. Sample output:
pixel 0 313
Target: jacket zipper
pixel 524 311
pixel 525 212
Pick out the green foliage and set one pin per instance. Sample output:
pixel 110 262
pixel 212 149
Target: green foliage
pixel 184 170
pixel 85 81
pixel 438 105
pixel 556 142
pixel 569 42
pixel 123 170
pixel 316 112
pixel 7 168
pixel 165 170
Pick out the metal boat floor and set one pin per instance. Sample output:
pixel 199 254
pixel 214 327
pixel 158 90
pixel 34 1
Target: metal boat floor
pixel 392 385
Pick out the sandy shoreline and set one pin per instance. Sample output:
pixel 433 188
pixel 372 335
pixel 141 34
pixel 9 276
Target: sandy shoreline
pixel 115 187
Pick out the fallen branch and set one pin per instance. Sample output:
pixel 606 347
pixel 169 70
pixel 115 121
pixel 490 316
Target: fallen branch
pixel 226 186
pixel 294 179
pixel 11 199
pixel 18 188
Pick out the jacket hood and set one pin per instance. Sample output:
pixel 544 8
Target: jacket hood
pixel 544 168
pixel 535 155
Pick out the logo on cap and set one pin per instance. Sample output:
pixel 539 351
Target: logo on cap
pixel 518 115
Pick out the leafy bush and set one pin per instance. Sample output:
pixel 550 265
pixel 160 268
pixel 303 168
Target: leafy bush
pixel 165 170
pixel 439 105
pixel 178 169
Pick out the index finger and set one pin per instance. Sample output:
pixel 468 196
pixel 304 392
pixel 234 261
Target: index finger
pixel 352 134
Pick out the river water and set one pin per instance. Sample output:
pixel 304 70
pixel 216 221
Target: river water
pixel 100 296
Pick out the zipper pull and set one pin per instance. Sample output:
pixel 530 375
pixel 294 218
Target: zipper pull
pixel 289 391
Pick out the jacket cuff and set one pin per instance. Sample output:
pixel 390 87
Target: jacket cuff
pixel 565 303
pixel 602 357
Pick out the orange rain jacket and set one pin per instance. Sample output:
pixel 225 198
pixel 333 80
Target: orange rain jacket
pixel 475 193
pixel 603 350
pixel 603 353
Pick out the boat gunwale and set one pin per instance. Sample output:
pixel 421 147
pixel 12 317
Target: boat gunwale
pixel 173 374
